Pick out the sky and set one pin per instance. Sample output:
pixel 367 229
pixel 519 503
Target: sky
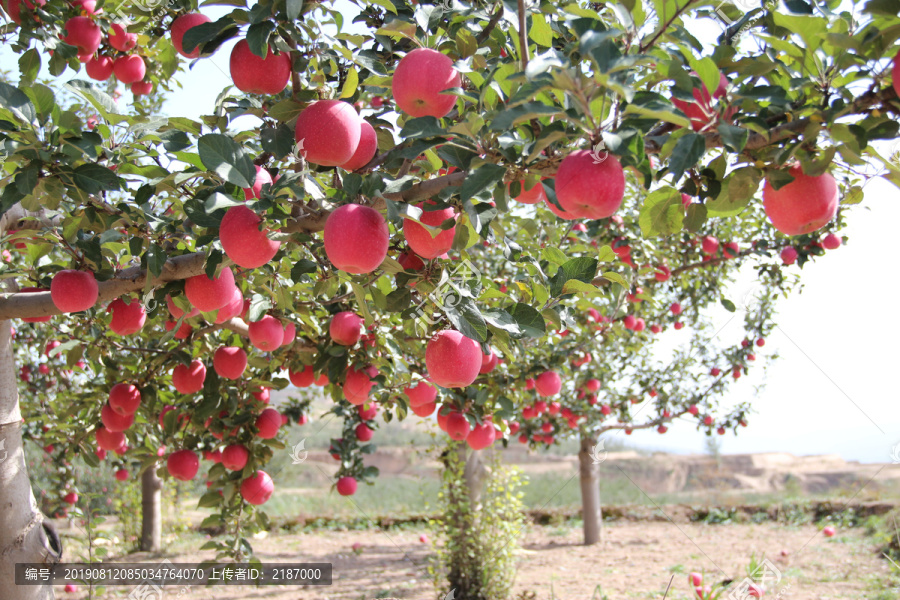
pixel 832 391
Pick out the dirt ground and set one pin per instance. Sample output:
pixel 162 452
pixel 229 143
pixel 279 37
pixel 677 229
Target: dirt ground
pixel 636 560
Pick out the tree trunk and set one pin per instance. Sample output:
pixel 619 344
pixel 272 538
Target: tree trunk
pixel 24 536
pixel 589 471
pixel 474 474
pixel 151 510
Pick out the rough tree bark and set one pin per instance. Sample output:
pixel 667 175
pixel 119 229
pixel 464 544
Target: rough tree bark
pixel 24 536
pixel 589 474
pixel 151 510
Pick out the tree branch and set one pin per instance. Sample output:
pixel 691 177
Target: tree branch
pixel 486 32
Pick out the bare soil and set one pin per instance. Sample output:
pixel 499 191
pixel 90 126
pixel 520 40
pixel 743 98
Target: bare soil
pixel 636 560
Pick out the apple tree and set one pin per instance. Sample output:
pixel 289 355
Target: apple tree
pixel 454 178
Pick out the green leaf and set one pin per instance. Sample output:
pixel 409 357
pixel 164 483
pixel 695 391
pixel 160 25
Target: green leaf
pixel 200 35
pixel 258 37
pixel 156 259
pixel 94 178
pixel 502 320
pixel 293 8
pixel 29 66
pixel 582 269
pixel 209 500
pixel 695 218
pixel 728 304
pixel 481 179
pixel 15 101
pixel 350 84
pixel 523 112
pixel 734 138
pixel 530 321
pixel 707 70
pixel 466 318
pixel 662 212
pixel 687 151
pixel 277 140
pixel 615 278
pixel 421 127
pixel 302 267
pixel 540 33
pixel 222 155
pixel 574 286
pixel 737 191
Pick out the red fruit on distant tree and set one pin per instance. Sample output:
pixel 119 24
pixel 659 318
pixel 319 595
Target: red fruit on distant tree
pixel 715 371
pixel 127 318
pixel 74 291
pixel 832 241
pixel 188 379
pixel 590 189
pixel 452 359
pixel 701 112
pixel 693 409
pixel 345 328
pixel 806 204
pixel 209 294
pixel 709 244
pixel 421 240
pixel 257 489
pixel 629 321
pixel 356 238
pixel 122 475
pixel 731 250
pixel 84 34
pixel 675 308
pixel 255 75
pixel 180 26
pixel 183 465
pixel 829 531
pixel 268 423
pixel 235 456
pixel 789 255
pixel 70 498
pixel 346 486
pixel 662 429
pixel 419 80
pixel 365 150
pixel 761 342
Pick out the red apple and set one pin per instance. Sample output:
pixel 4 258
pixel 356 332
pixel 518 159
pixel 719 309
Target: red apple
pixel 114 421
pixel 142 88
pixel 832 241
pixel 14 9
pixel 701 112
pixel 302 378
pixel 420 394
pixel 235 456
pixel 789 255
pixel 481 436
pixel 488 363
pixel 70 498
pixel 74 291
pixel 109 440
pixel 356 238
pixel 345 328
pixel 242 239
pixel 124 398
pixel 423 410
pixel 531 195
pixel 802 206
pixel 180 26
pixel 364 433
pixel 120 39
pixel 84 34
pixel 99 68
pixel 457 426
pixel 266 334
pixel 257 489
pixel 419 80
pixel 829 531
pixel 177 313
pixel 210 294
pixel 548 383
pixel 268 423
pixel 330 132
pixel 230 362
pixel 709 244
pixel 127 318
pixel 421 240
pixel 183 465
pixel 365 151
pixel 129 69
pixel 188 379
pixel 629 321
pixel 590 189
pixel 562 214
pixel 232 309
pixel 408 260
pixel 452 359
pixel 358 384
pixel 122 475
pixel 367 411
pixel 255 75
pixel 346 486
pixel 262 177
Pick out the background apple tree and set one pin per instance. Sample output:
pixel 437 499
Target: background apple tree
pixel 139 202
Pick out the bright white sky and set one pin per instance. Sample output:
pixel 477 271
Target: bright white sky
pixel 833 389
